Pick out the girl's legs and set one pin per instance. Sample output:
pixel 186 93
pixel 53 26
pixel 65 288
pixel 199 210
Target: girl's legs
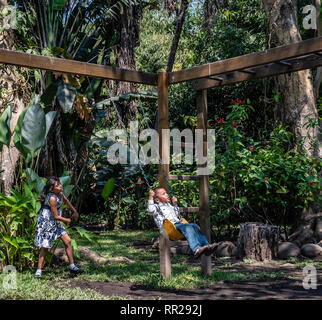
pixel 42 256
pixel 69 251
pixel 68 247
pixel 41 261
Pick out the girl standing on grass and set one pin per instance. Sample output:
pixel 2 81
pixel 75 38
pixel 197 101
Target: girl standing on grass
pixel 49 227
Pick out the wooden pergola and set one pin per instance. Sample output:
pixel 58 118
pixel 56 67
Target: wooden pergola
pixel 284 59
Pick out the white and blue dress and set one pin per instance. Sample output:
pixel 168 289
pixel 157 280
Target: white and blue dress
pixel 48 229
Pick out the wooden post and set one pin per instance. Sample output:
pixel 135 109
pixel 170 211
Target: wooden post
pixel 164 150
pixel 202 110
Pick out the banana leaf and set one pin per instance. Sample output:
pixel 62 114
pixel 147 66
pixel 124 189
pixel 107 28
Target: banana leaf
pixel 5 132
pixel 49 94
pixel 33 129
pixel 108 188
pixel 17 139
pixel 50 116
pixel 34 179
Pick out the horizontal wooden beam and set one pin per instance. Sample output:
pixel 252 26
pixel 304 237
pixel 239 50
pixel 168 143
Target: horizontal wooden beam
pixel 269 70
pixel 76 67
pixel 183 177
pixel 248 61
pixel 189 209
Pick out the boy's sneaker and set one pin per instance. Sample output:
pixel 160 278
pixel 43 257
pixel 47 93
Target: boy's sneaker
pixel 200 251
pixel 211 248
pixel 38 274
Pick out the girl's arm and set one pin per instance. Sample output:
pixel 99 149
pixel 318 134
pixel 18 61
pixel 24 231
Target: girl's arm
pixel 53 206
pixel 66 201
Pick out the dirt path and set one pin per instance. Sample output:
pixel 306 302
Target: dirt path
pixel 259 290
pixel 262 289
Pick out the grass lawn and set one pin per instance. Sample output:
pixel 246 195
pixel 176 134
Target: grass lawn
pixel 186 273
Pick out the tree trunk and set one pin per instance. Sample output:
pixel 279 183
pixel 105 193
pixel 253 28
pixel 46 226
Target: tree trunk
pixel 176 38
pixel 318 77
pixel 297 103
pixel 9 81
pixel 258 241
pixel 129 25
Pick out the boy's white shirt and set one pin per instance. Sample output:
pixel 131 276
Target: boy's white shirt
pixel 168 212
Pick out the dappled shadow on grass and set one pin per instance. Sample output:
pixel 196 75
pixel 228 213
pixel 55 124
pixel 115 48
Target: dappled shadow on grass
pixel 145 270
pixel 119 271
pixel 119 243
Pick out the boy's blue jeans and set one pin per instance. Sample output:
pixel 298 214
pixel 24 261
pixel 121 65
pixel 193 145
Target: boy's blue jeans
pixel 192 233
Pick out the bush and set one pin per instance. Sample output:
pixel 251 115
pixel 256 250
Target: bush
pixel 18 219
pixel 265 180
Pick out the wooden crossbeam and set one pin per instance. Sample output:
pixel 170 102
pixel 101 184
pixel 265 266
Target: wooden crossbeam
pixel 248 61
pixel 284 63
pixel 248 71
pixel 273 69
pixel 183 177
pixel 217 78
pixel 76 67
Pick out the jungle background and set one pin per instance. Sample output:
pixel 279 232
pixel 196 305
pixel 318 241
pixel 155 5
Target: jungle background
pixel 268 167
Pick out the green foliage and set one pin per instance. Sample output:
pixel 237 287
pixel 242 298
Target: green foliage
pixel 18 220
pixel 267 180
pixel 31 129
pixel 5 131
pixel 108 188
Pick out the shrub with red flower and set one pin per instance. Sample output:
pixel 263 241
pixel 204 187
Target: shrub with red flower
pixel 239 101
pixel 250 147
pixel 221 120
pixel 234 125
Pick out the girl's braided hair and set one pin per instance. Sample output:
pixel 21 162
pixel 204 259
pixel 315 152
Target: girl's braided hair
pixel 48 188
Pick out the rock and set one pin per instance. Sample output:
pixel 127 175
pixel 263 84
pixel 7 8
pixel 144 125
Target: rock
pixel 311 250
pixel 287 250
pixel 226 249
pixel 305 236
pixel 320 244
pixel 318 227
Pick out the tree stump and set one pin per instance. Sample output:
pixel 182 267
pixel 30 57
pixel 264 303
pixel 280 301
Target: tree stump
pixel 258 241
